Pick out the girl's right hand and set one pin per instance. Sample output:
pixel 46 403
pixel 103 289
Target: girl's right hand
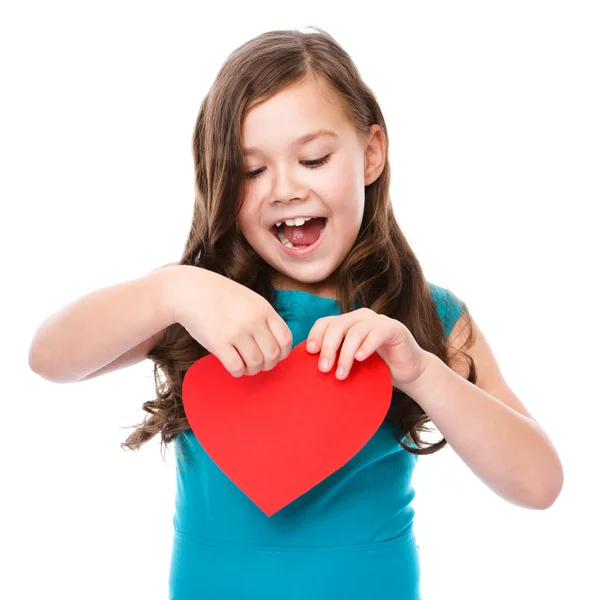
pixel 237 325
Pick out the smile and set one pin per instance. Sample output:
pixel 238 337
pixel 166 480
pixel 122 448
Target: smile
pixel 299 251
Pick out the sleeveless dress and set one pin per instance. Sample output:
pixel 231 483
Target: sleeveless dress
pixel 349 537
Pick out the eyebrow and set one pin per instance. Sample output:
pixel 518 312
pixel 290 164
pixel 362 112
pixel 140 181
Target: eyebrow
pixel 300 141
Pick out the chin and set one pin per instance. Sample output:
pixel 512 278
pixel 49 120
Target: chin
pixel 311 275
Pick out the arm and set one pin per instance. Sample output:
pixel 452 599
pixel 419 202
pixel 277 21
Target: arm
pixel 131 357
pixel 105 329
pixel 489 427
pixel 134 355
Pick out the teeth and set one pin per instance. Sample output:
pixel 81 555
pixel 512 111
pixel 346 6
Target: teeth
pixel 285 241
pixel 292 222
pixel 297 221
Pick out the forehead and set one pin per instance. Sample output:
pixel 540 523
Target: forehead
pixel 293 113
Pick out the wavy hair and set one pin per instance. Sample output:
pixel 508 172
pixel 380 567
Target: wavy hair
pixel 380 271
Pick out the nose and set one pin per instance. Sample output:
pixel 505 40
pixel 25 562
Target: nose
pixel 286 186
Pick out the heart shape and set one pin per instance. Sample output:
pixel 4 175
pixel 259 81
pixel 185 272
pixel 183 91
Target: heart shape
pixel 279 433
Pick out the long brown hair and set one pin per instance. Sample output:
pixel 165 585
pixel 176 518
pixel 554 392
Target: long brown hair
pixel 380 271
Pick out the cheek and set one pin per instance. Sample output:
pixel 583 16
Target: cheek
pixel 343 185
pixel 245 218
pixel 344 198
pixel 248 223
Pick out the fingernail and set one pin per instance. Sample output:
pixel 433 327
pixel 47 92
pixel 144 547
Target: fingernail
pixel 312 345
pixel 340 372
pixel 324 363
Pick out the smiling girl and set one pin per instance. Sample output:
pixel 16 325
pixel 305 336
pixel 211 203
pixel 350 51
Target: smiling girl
pixel 294 238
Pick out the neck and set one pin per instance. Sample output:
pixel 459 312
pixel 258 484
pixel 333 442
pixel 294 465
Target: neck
pixel 326 288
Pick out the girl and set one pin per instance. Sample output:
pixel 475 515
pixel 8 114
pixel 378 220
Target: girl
pixel 294 238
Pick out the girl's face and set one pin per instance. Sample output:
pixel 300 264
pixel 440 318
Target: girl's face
pixel 284 180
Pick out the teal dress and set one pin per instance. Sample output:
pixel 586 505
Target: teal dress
pixel 350 537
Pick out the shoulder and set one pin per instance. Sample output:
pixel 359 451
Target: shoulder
pixel 448 305
pixel 463 333
pixel 457 325
pixel 167 265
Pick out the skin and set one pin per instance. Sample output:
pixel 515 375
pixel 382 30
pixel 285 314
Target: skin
pixel 486 424
pixel 287 186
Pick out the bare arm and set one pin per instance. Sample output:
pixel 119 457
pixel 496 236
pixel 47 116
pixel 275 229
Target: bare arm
pixel 134 355
pixel 104 330
pixel 127 359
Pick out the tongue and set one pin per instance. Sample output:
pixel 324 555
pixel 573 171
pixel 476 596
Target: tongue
pixel 303 235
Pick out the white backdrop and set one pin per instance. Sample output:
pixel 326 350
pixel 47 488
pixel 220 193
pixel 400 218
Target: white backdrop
pixel 488 107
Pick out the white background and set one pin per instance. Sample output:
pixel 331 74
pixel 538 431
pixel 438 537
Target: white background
pixel 489 112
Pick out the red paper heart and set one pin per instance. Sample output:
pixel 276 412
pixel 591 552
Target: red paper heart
pixel 279 433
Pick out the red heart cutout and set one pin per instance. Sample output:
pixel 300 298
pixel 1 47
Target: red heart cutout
pixel 279 433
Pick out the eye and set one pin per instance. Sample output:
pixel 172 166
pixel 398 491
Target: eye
pixel 311 164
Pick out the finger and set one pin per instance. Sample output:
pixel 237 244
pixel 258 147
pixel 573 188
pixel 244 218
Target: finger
pixel 330 343
pixel 316 333
pixel 268 346
pixel 282 333
pixel 231 360
pixel 335 331
pixel 355 338
pixel 372 343
pixel 250 354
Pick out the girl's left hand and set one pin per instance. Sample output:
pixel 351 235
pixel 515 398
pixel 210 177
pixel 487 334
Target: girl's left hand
pixel 363 332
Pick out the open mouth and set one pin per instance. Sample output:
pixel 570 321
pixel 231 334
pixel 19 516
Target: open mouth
pixel 301 236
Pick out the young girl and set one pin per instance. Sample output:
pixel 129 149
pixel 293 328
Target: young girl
pixel 294 238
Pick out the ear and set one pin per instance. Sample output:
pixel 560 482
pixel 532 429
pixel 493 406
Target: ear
pixel 375 154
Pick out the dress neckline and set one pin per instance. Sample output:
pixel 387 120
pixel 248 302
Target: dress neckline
pixel 277 290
